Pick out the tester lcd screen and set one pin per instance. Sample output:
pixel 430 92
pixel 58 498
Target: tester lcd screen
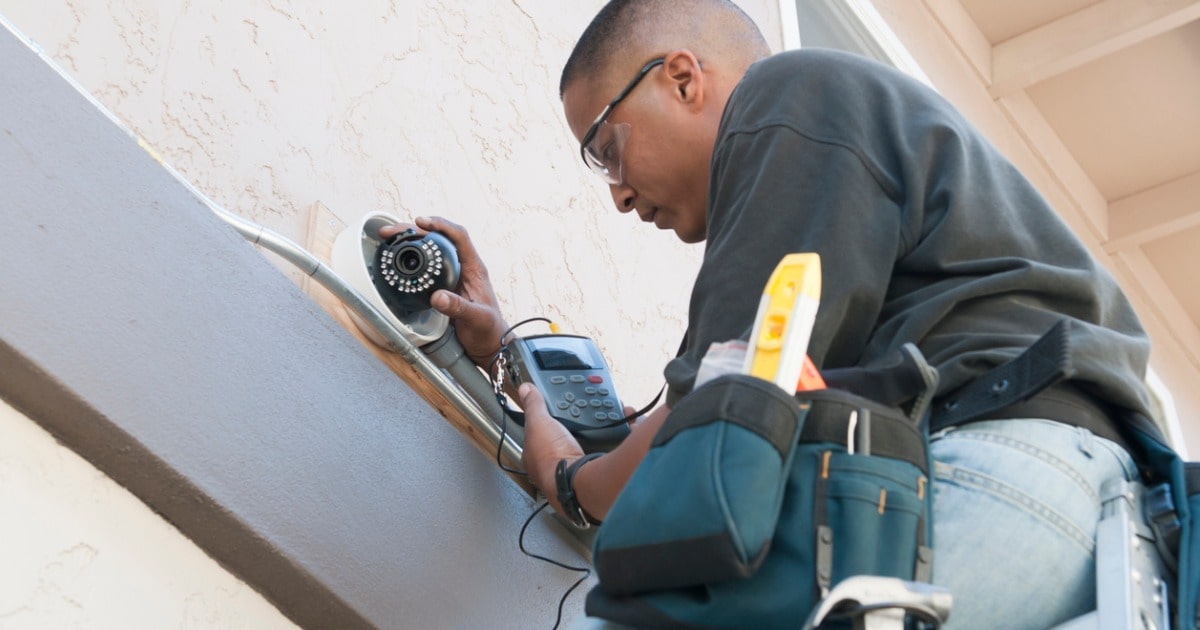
pixel 562 353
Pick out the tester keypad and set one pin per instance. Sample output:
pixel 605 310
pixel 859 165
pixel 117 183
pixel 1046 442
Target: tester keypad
pixel 580 401
pixel 576 384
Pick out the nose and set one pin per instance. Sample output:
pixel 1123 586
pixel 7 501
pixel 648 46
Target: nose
pixel 623 197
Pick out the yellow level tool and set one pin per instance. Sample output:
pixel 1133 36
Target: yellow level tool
pixel 779 341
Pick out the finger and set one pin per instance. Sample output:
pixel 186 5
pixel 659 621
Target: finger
pixel 439 224
pixel 460 309
pixel 531 402
pixel 543 433
pixel 391 230
pixel 457 235
pixel 448 303
pixel 629 411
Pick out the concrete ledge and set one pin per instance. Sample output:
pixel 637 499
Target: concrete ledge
pixel 78 425
pixel 149 337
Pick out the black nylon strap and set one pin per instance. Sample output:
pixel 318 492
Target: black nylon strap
pixel 700 559
pixel 564 478
pixel 749 402
pixel 1043 364
pixel 892 433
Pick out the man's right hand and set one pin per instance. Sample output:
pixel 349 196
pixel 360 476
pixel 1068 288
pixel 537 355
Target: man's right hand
pixel 473 308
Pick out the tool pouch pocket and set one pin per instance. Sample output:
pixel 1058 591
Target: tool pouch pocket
pixel 749 505
pixel 703 505
pixel 867 466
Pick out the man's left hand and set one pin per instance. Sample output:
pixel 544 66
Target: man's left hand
pixel 546 442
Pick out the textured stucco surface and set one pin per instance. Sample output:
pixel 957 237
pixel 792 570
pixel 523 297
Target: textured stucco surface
pixel 269 106
pixel 148 336
pixel 87 553
pixel 410 106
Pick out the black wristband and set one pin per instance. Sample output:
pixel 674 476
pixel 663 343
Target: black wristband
pixel 564 478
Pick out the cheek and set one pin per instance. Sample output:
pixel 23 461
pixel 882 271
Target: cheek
pixel 648 153
pixel 653 169
pixel 634 158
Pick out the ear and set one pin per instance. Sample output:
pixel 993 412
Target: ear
pixel 682 69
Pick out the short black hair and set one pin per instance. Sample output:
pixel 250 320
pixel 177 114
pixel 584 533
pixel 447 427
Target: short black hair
pixel 621 22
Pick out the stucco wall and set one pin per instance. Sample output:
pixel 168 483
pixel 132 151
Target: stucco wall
pixel 411 106
pixel 81 551
pixel 270 106
pixel 147 336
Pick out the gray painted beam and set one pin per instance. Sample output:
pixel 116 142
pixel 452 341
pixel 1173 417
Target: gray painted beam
pixel 148 336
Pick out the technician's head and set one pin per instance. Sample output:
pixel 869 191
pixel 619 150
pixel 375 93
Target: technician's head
pixel 643 92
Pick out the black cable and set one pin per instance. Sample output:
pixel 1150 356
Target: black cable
pixel 504 408
pixel 521 536
pixel 519 324
pixel 503 434
pixel 587 572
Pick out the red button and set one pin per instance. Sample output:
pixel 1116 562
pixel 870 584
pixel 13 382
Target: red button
pixel 595 378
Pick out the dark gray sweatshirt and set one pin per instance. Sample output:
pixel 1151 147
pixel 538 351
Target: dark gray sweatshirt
pixel 926 233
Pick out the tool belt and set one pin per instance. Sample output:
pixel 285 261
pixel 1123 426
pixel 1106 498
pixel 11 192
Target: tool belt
pixel 752 503
pixel 1035 384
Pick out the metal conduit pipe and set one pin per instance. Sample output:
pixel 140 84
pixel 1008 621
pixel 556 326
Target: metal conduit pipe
pixel 302 259
pixel 319 271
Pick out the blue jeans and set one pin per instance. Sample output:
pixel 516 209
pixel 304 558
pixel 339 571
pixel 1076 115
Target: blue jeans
pixel 1016 504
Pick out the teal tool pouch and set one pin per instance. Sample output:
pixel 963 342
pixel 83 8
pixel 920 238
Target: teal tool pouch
pixel 1189 552
pixel 752 503
pixel 1172 507
pixel 703 504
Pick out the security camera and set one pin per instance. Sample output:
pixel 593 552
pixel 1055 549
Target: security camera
pixel 397 275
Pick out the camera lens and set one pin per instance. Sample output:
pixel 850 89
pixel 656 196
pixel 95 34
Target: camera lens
pixel 409 261
pixel 409 268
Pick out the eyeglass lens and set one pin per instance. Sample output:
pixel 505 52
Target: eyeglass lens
pixel 603 153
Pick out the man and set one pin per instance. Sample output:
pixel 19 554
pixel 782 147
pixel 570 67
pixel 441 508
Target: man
pixel 926 235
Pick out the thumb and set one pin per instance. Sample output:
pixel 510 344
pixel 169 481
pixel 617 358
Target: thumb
pixel 530 396
pixel 450 304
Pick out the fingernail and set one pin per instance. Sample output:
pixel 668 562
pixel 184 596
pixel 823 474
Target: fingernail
pixel 524 389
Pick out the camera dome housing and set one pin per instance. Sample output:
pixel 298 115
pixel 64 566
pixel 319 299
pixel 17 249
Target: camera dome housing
pixel 354 259
pixel 409 267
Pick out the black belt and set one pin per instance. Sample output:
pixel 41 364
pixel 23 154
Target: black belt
pixel 1065 403
pixel 1033 385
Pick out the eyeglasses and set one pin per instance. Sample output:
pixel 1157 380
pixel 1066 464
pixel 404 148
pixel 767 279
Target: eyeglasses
pixel 602 144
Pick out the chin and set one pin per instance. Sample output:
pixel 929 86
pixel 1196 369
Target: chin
pixel 690 226
pixel 691 237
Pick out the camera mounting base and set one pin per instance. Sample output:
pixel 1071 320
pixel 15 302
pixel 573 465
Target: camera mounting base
pixel 353 258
